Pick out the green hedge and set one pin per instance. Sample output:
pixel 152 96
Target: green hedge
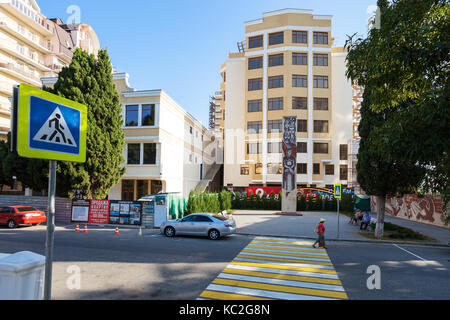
pixel 208 202
pixel 265 202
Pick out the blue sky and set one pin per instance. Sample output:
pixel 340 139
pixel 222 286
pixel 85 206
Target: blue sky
pixel 179 45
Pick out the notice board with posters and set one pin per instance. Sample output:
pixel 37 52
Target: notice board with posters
pixel 125 213
pixel 99 212
pixel 80 210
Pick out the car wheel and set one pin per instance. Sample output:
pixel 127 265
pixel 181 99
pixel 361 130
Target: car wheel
pixel 169 232
pixel 12 224
pixel 214 234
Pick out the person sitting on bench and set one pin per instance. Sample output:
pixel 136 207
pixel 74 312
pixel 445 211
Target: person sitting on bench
pixel 357 217
pixel 365 221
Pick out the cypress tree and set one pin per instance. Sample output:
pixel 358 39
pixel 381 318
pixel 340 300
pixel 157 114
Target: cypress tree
pixel 88 80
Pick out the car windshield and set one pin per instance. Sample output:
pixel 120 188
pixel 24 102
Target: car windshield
pixel 26 209
pixel 220 217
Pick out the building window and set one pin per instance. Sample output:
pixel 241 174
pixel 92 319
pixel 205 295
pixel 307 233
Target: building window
pixel 255 84
pixel 258 168
pixel 149 153
pixel 321 104
pixel 320 126
pixel 276 82
pixel 320 82
pixel 254 148
pixel 316 168
pixel 276 60
pixel 191 130
pixel 254 127
pixel 245 170
pixel 302 125
pixel 299 81
pixel 329 170
pixel 299 37
pixel 302 147
pixel 276 38
pixel 148 115
pixel 274 147
pixel 128 190
pixel 275 126
pixel 300 59
pixel 134 154
pixel 256 42
pixel 132 116
pixel 274 168
pixel 302 168
pixel 255 106
pixel 343 152
pixel 343 173
pixel 320 60
pixel 320 38
pixel 299 103
pixel 142 187
pixel 321 148
pixel 255 63
pixel 275 104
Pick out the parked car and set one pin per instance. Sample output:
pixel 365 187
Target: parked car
pixel 14 216
pixel 201 224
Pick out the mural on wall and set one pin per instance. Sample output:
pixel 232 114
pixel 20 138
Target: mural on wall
pixel 289 153
pixel 428 209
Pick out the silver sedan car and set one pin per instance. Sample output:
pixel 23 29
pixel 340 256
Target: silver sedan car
pixel 200 224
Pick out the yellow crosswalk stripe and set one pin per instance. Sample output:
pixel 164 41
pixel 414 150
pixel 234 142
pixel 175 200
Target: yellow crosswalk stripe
pixel 287 249
pixel 288 254
pixel 228 296
pixel 283 267
pixel 285 260
pixel 283 276
pixel 279 288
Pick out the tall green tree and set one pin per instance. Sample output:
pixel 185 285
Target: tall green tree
pixel 376 176
pixel 88 80
pixel 406 65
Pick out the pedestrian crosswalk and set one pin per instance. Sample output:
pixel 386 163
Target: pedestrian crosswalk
pixel 278 269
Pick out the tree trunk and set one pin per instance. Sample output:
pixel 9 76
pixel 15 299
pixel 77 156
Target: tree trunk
pixel 381 205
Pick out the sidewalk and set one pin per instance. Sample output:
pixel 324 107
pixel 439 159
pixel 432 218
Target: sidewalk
pixel 267 223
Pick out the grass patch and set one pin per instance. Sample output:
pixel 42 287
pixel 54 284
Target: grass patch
pixel 395 232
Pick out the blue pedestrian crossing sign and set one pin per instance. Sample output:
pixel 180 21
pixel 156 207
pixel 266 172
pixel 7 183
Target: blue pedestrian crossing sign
pixel 50 127
pixel 338 191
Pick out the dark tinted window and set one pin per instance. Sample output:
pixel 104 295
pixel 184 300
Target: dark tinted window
pixel 134 153
pixel 203 219
pixel 148 115
pixel 132 116
pixel 276 60
pixel 255 42
pixel 276 38
pixel 26 209
pixel 300 58
pixel 189 219
pixel 150 153
pixel 299 37
pixel 5 210
pixel 255 63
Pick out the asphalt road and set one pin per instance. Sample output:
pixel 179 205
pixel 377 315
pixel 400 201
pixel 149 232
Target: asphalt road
pixel 152 267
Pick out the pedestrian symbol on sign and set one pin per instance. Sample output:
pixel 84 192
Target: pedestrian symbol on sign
pixel 55 130
pixel 338 191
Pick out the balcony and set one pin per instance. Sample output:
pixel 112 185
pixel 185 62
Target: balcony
pixel 38 45
pixel 28 58
pixel 30 19
pixel 65 53
pixel 24 75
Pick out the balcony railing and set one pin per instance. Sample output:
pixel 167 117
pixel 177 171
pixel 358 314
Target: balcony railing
pixel 26 73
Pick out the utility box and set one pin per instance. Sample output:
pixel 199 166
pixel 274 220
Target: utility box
pixel 21 276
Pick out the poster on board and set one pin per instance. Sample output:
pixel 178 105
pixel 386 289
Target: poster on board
pixel 80 211
pixel 99 212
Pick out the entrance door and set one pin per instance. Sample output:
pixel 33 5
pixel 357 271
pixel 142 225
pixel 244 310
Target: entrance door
pixel 128 190
pixel 156 186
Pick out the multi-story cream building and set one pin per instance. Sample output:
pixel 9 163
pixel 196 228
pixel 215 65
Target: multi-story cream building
pixel 167 149
pixel 287 66
pixel 33 47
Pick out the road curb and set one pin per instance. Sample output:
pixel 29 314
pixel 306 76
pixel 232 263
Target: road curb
pixel 349 240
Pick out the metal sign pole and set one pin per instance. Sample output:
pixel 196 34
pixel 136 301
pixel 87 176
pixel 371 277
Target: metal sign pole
pixel 50 231
pixel 338 216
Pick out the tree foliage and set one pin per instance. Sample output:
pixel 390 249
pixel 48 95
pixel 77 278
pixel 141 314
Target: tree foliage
pixel 88 80
pixel 405 66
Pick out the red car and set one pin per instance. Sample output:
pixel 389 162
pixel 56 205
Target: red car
pixel 14 216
